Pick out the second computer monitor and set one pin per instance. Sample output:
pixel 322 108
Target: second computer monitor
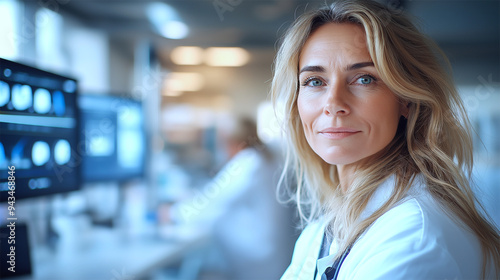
pixel 113 141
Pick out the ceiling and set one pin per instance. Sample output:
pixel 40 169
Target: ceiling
pixel 468 31
pixel 259 23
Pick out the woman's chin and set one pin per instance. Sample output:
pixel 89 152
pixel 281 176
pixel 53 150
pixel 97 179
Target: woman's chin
pixel 337 160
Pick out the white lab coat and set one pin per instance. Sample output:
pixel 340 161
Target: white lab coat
pixel 254 230
pixel 251 229
pixel 414 240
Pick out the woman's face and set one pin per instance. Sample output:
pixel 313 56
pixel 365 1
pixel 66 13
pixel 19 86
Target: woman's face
pixel 347 112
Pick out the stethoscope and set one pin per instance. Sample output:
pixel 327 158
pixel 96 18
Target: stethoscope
pixel 335 268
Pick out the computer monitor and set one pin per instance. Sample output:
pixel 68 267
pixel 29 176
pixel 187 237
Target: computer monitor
pixel 38 132
pixel 113 138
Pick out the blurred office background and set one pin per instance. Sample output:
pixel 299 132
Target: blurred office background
pixel 146 88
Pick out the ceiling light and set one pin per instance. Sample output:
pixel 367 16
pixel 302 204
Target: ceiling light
pixel 187 55
pixel 166 92
pixel 183 81
pixel 174 30
pixel 226 57
pixel 166 20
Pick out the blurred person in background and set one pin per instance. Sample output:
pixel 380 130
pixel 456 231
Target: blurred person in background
pixel 253 233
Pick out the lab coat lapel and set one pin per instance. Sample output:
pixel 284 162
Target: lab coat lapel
pixel 306 253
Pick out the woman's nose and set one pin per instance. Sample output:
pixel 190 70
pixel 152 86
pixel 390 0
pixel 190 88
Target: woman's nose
pixel 336 103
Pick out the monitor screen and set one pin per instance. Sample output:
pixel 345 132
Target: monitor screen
pixel 113 138
pixel 38 132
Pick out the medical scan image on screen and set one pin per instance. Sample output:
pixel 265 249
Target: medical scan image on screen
pixel 113 138
pixel 39 131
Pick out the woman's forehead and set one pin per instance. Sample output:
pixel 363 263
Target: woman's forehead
pixel 336 44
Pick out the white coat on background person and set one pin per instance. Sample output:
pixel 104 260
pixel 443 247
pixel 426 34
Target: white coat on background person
pixel 252 231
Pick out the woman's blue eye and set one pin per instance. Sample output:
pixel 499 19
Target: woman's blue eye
pixel 315 83
pixel 365 80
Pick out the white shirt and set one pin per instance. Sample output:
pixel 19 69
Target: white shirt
pixel 414 240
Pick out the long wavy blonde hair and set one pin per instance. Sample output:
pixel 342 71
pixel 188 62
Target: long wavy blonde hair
pixel 433 141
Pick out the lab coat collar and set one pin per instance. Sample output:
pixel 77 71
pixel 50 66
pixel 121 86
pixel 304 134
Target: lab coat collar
pixel 385 190
pixel 381 196
pixel 305 259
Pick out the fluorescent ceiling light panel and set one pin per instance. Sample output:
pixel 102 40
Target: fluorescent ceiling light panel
pixel 187 55
pixel 183 81
pixel 232 57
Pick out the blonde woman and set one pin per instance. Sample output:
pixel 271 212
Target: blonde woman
pixel 381 147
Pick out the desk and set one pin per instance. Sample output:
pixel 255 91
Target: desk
pixel 110 255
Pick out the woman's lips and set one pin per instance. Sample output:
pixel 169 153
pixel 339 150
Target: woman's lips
pixel 337 133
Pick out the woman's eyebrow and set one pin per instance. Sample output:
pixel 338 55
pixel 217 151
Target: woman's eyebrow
pixel 356 66
pixel 312 69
